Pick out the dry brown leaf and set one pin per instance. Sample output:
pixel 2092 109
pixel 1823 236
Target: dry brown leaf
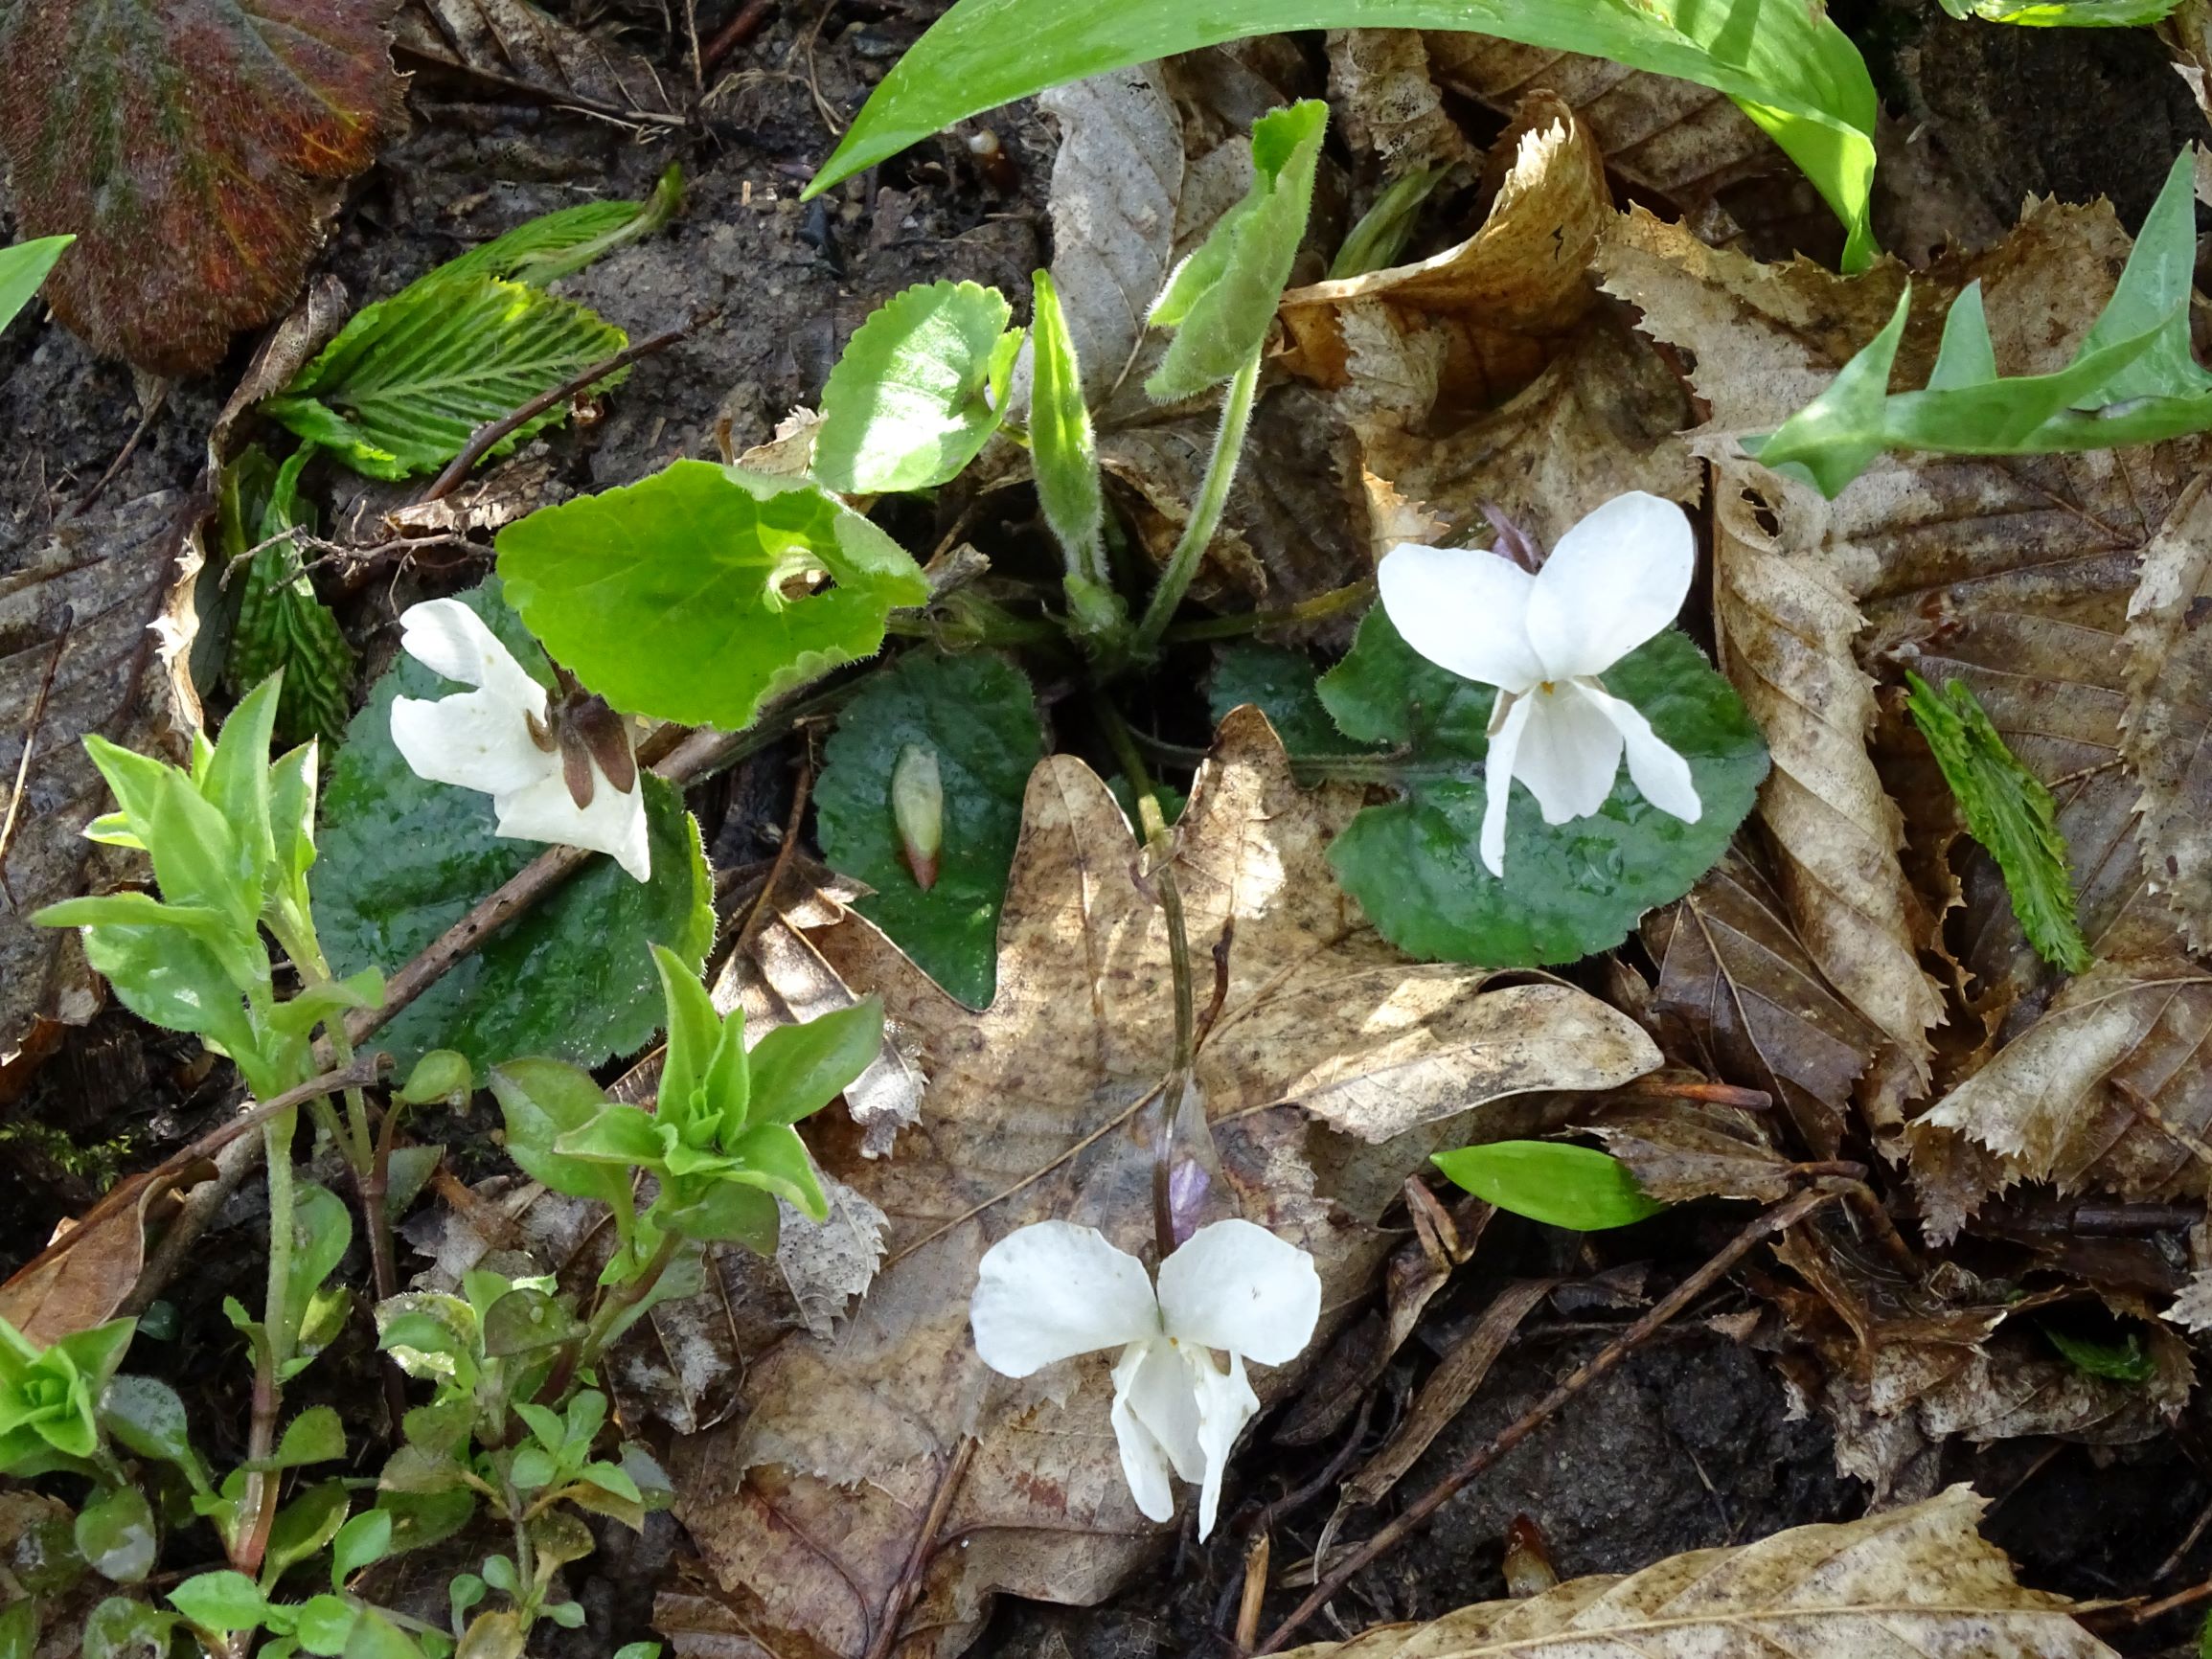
pixel 810 1508
pixel 1687 143
pixel 1601 419
pixel 516 44
pixel 1381 86
pixel 2013 575
pixel 1755 1009
pixel 82 1278
pixel 78 602
pixel 2108 1090
pixel 2169 716
pixel 1466 327
pixel 1919 1581
pixel 1447 1388
pixel 1684 1149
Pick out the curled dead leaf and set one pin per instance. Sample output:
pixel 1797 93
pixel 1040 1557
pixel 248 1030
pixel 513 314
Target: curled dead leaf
pixel 1466 327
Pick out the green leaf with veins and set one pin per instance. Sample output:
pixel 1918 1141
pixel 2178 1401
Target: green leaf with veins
pixel 1552 1182
pixel 190 146
pixel 1791 68
pixel 1569 889
pixel 911 401
pixel 1220 299
pixel 687 596
pixel 1279 682
pixel 560 244
pixel 2009 811
pixel 402 859
pixel 978 715
pixel 410 379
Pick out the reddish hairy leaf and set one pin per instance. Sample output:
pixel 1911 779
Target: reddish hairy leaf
pixel 189 145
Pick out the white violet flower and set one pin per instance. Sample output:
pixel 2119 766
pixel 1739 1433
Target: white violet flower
pixel 546 769
pixel 1615 580
pixel 1053 1290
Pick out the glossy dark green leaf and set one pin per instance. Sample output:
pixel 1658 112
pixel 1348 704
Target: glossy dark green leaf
pixel 909 402
pixel 403 859
pixel 687 596
pixel 122 1628
pixel 727 1213
pixel 1281 684
pixel 1793 70
pixel 1548 1181
pixel 146 1417
pixel 1569 889
pixel 2009 811
pixel 526 1320
pixel 978 715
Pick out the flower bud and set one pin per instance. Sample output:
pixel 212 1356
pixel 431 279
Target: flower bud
pixel 918 808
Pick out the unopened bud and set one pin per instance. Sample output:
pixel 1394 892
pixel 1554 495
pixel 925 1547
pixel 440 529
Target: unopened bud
pixel 918 808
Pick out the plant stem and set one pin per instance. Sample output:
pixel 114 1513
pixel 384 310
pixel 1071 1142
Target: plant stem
pixel 258 1513
pixel 1239 624
pixel 584 1351
pixel 1205 511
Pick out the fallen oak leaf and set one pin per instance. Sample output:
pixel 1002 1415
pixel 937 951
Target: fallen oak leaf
pixel 809 1509
pixel 1919 1580
pixel 210 131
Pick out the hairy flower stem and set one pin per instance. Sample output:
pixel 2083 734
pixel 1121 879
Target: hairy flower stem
pixel 1205 511
pixel 259 1512
pixel 368 1158
pixel 1160 872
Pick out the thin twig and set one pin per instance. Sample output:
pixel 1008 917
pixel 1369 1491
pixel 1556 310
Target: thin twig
pixel 764 904
pixel 908 1589
pixel 1784 1215
pixel 30 742
pixel 487 436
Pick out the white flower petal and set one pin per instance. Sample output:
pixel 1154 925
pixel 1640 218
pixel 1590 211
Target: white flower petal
pixel 445 635
pixel 1153 1383
pixel 1655 766
pixel 1498 767
pixel 1615 579
pixel 1145 1464
pixel 473 739
pixel 613 824
pixel 1052 1290
pixel 1226 1405
pixel 1236 1285
pixel 1464 609
pixel 1570 753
